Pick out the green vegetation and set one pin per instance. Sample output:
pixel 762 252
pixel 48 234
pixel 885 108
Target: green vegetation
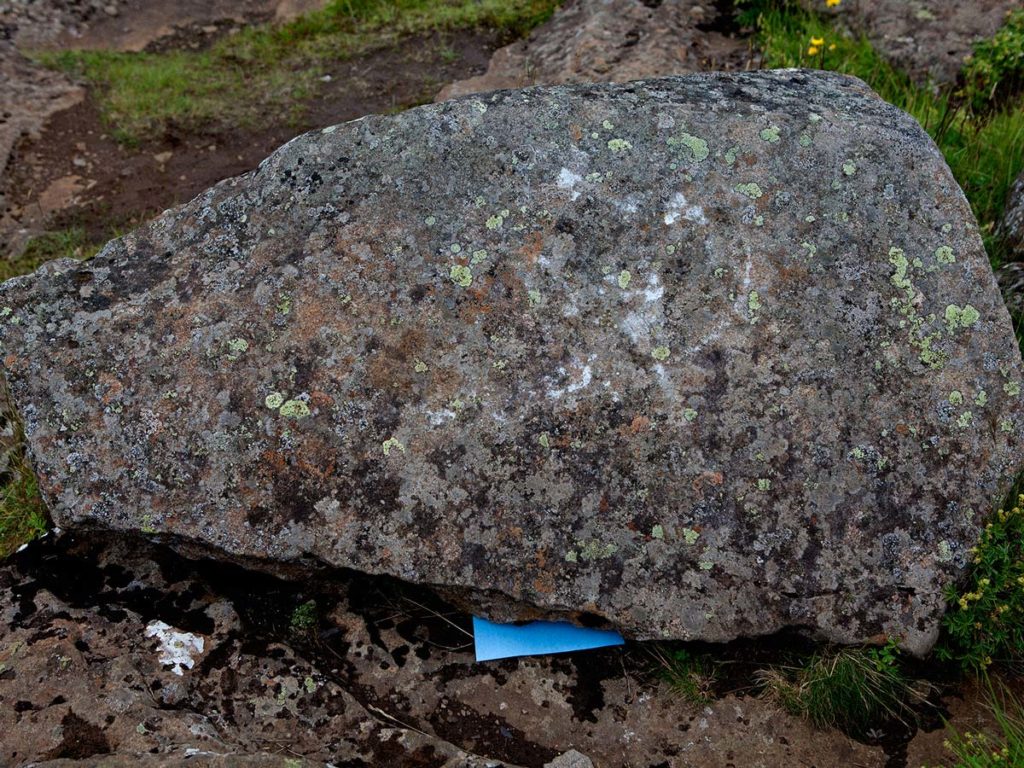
pixel 305 617
pixel 70 243
pixel 1001 749
pixel 978 125
pixel 690 676
pixel 985 621
pixel 22 513
pixel 272 68
pixel 853 688
pixel 996 70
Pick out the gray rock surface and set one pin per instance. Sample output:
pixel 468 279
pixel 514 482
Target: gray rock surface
pixel 929 39
pixel 594 41
pixel 705 357
pixel 1010 229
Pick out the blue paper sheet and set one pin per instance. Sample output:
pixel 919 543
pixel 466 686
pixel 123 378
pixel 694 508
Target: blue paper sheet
pixel 502 641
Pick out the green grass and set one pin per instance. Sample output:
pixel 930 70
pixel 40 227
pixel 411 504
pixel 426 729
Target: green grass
pixel 978 125
pixel 22 513
pixel 985 620
pixel 70 243
pixel 688 675
pixel 853 688
pixel 1001 747
pixel 271 69
pixel 305 617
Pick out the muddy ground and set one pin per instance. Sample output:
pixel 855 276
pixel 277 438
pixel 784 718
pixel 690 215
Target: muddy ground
pixel 385 675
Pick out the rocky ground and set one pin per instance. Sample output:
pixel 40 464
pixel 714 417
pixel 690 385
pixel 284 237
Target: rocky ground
pixel 383 674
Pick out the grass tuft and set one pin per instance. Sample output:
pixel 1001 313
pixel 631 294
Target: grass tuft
pixel 1002 748
pixel 23 515
pixel 689 676
pixel 72 243
pixel 851 688
pixel 268 68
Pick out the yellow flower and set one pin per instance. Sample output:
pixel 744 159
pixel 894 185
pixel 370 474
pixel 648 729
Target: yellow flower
pixel 832 3
pixel 832 47
pixel 812 51
pixel 817 41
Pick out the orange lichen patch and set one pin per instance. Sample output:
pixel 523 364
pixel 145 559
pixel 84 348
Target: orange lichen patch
pixel 532 248
pixel 576 132
pixel 275 460
pixel 112 387
pixel 544 584
pixel 321 400
pixel 707 478
pixel 639 424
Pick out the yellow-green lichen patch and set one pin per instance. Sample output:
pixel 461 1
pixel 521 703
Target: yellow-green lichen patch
pixel 571 556
pixel 956 397
pixel 274 400
pixel 495 222
pixel 1012 388
pixel 658 532
pixel 750 189
pixel 544 440
pixel 805 140
pixel 944 255
pixel 420 367
pixel 284 305
pixel 660 353
pixel 478 256
pixel 730 154
pixel 849 167
pixel 1006 425
pixel 294 409
pixel 689 414
pixel 430 221
pixel 960 317
pixel 534 297
pixel 982 399
pixel 391 444
pixel 595 550
pixel 695 144
pixel 461 275
pixel 764 484
pixel 753 305
pixel 619 145
pixel 624 278
pixel 608 125
pixel 965 420
pixel 236 348
pixel 906 306
pixel 690 536
pixel 770 134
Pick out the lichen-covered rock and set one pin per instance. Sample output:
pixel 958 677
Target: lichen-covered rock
pixel 705 356
pixel 1010 229
pixel 588 41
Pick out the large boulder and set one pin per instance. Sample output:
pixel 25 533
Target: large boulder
pixel 600 41
pixel 701 357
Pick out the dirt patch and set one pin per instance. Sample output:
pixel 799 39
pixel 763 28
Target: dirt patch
pixel 137 25
pixel 76 174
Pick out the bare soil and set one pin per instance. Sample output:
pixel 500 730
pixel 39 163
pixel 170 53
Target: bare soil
pixel 76 174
